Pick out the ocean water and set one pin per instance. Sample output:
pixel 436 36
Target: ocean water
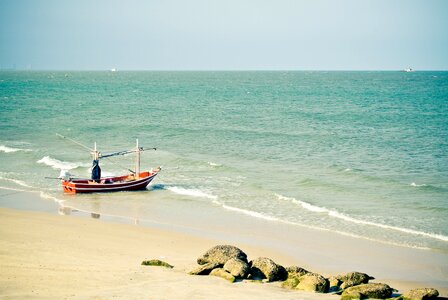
pixel 363 154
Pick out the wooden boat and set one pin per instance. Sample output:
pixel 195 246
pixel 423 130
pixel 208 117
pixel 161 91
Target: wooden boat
pixel 110 184
pixel 135 180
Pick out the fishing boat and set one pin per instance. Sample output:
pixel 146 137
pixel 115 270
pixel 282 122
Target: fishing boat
pixel 135 180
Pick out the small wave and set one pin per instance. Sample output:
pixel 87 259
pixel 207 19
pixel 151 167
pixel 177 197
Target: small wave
pixel 248 212
pixel 16 181
pixel 274 219
pixel 11 189
pixel 417 185
pixel 62 165
pixel 389 227
pixel 212 164
pixel 10 149
pixel 305 205
pixel 44 195
pixel 191 192
pixel 336 214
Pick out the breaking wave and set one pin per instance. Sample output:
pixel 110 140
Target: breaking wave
pixel 10 149
pixel 417 185
pixel 248 212
pixel 61 165
pixel 191 192
pixel 274 219
pixel 336 214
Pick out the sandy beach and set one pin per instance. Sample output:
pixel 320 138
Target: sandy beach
pixel 46 255
pixel 52 256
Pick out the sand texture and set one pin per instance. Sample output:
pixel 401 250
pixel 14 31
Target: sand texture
pixel 50 256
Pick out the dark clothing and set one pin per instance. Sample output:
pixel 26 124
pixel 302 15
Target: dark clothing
pixel 96 171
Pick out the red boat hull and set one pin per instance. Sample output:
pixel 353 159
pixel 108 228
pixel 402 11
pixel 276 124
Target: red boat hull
pixel 111 184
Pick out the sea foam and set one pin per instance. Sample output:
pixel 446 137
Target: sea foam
pixel 16 181
pixel 336 214
pixel 62 165
pixel 10 149
pixel 191 192
pixel 249 212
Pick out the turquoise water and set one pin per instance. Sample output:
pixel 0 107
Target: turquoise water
pixel 355 153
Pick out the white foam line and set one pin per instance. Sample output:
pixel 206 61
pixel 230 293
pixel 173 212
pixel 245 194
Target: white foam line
pixel 212 164
pixel 49 197
pixel 57 164
pixel 10 149
pixel 341 216
pixel 16 181
pixel 191 192
pixel 251 213
pixel 273 219
pixel 11 189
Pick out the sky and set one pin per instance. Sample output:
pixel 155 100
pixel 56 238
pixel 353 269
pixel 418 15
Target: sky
pixel 224 35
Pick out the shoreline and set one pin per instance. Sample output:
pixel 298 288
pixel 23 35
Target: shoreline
pixel 318 254
pixel 53 256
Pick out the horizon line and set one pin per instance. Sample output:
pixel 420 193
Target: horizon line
pixel 113 70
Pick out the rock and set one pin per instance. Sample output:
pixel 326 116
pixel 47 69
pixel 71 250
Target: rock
pixel 353 278
pixel 421 294
pixel 237 267
pixel 223 274
pixel 156 262
pixel 221 254
pixel 367 290
pixel 264 267
pixel 334 284
pixel 204 269
pixel 292 281
pixel 313 283
pixel 297 270
pixel 294 273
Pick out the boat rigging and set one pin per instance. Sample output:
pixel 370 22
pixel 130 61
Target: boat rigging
pixel 134 181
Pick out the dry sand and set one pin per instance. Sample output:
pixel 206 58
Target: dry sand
pixel 51 256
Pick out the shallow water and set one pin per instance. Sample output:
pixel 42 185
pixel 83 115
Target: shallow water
pixel 362 154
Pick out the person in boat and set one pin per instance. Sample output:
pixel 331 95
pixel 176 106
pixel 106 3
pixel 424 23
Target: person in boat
pixel 96 171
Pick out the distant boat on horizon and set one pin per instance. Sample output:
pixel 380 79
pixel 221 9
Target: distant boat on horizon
pixel 409 70
pixel 113 70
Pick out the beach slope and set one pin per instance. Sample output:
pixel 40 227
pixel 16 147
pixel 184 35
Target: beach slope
pixel 51 256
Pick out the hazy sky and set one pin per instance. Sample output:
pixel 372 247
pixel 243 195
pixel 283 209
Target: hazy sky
pixel 224 35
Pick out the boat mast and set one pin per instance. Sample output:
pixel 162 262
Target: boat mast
pixel 137 161
pixel 95 153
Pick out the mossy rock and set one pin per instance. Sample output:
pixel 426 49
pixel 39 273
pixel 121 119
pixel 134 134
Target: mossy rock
pixel 220 272
pixel 353 278
pixel 266 268
pixel 421 294
pixel 221 254
pixel 237 267
pixel 296 270
pixel 292 281
pixel 156 263
pixel 313 283
pixel 204 269
pixel 368 290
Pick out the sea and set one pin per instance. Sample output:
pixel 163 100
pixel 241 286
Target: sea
pixel 360 154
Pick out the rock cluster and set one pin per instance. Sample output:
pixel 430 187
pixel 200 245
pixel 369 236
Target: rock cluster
pixel 230 263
